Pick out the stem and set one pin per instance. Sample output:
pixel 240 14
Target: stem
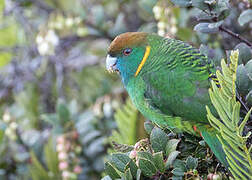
pixel 221 28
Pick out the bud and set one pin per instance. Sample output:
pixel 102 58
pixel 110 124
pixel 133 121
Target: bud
pixel 77 169
pixel 39 39
pixel 69 22
pixel 67 145
pixel 157 12
pixel 173 20
pixel 216 177
pixel 81 31
pixel 65 174
pixel 75 135
pixel 173 29
pixel 133 154
pixel 13 125
pixel 6 117
pixel 156 9
pixel 62 156
pixel 43 48
pixel 161 25
pixel 52 37
pixel 161 32
pixel 63 165
pixel 212 176
pixel 8 132
pixel 60 147
pixel 77 20
pixel 137 145
pixel 60 140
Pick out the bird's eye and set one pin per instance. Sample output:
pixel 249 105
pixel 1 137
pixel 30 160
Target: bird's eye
pixel 127 51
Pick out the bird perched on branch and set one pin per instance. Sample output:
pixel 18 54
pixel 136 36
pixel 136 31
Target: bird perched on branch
pixel 168 81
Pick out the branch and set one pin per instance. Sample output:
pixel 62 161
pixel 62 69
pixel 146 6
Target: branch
pixel 221 28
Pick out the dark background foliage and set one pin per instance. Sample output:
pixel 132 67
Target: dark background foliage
pixel 57 101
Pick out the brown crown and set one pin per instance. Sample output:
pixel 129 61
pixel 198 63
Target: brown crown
pixel 129 39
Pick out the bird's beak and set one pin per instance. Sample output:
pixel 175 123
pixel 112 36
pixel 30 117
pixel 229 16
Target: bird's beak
pixel 111 63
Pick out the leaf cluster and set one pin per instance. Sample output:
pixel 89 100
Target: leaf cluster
pixel 150 158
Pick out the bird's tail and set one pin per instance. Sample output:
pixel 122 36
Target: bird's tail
pixel 215 145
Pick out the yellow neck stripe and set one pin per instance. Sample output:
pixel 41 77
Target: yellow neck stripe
pixel 146 55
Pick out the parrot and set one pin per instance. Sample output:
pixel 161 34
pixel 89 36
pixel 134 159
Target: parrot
pixel 168 82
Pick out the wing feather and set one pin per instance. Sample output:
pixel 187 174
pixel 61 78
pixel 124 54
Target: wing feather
pixel 177 79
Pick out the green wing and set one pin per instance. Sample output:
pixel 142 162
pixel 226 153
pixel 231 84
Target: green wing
pixel 177 79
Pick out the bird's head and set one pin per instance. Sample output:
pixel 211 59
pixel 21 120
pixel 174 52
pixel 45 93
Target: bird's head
pixel 126 54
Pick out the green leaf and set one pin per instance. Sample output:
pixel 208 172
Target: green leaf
pixel 148 126
pixel 221 6
pixel 145 155
pixel 4 58
pixel 171 146
pixel 191 163
pixel 53 119
pixel 126 120
pixel 210 2
pixel 199 4
pixel 177 178
pixel 111 171
pixel 63 113
pixel 225 13
pixel 158 139
pixel 159 161
pixel 133 167
pixel 1 136
pixel 245 17
pixel 147 167
pixel 122 147
pixel 242 81
pixel 36 170
pixel 182 3
pixel 179 164
pixel 119 160
pixel 2 3
pixel 208 27
pixel 178 172
pixel 171 158
pixel 248 68
pixel 51 157
pixel 245 53
pixel 215 25
pixel 128 175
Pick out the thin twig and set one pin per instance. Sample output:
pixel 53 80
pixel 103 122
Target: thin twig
pixel 221 28
pixel 240 99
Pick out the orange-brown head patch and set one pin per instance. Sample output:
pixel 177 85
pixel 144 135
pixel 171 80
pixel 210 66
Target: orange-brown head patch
pixel 126 40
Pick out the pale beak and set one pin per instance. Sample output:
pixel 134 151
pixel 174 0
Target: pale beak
pixel 111 63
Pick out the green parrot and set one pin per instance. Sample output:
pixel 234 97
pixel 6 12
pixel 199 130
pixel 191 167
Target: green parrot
pixel 168 81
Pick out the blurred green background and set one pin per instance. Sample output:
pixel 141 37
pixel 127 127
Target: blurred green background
pixel 57 101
